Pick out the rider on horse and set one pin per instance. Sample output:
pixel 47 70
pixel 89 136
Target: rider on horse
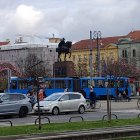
pixel 62 43
pixel 64 47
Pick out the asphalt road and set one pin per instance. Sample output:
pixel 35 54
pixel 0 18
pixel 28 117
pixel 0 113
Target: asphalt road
pixel 121 109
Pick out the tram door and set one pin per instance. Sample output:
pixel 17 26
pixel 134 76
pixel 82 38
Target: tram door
pixel 76 85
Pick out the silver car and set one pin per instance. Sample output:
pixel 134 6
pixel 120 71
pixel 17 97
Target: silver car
pixel 14 104
pixel 62 102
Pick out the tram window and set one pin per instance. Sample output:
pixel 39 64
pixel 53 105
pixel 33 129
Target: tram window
pixel 69 84
pixel 22 85
pixel 93 83
pixel 88 83
pixel 84 83
pixel 48 84
pixel 106 83
pixel 60 84
pixel 110 83
pixel 100 83
pixel 121 83
pixel 51 85
pixel 14 84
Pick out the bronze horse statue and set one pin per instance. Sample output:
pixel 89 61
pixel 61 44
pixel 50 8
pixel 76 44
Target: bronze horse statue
pixel 66 49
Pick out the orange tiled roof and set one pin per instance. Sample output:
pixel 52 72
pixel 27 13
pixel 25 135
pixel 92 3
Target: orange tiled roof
pixel 135 35
pixel 4 43
pixel 86 44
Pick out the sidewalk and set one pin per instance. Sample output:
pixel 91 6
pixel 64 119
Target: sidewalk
pixel 121 105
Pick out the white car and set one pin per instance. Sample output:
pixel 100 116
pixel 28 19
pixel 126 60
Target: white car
pixel 62 102
pixel 14 104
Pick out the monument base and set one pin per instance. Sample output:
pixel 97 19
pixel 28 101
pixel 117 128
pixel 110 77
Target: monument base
pixel 64 69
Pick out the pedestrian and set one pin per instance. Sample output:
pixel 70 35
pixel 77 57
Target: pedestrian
pixel 92 97
pixel 83 92
pixel 126 94
pixel 32 97
pixel 41 95
pixel 117 94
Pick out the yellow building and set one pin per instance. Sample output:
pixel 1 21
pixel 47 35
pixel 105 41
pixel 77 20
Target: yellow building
pixel 80 54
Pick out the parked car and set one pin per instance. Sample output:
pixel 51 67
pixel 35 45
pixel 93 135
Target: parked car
pixel 14 104
pixel 62 102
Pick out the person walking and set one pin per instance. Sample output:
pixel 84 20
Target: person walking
pixel 41 95
pixel 117 94
pixel 92 97
pixel 83 92
pixel 32 97
pixel 126 94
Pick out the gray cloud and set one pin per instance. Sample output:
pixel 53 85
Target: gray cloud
pixel 70 19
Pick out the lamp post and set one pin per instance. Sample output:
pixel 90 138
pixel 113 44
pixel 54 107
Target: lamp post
pixel 97 37
pixel 37 84
pixel 91 49
pixel 8 77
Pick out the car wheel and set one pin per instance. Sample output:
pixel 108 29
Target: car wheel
pixel 81 109
pixel 23 112
pixel 55 111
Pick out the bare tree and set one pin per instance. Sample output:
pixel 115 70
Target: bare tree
pixel 81 69
pixel 32 66
pixel 120 69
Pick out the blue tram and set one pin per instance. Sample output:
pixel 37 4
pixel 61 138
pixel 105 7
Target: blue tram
pixel 105 85
pixel 102 85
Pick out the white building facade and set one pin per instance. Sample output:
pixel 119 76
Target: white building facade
pixel 45 52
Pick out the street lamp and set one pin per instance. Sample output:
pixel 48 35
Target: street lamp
pixel 90 61
pixel 97 37
pixel 37 84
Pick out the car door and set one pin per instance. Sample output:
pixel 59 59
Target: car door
pixel 74 101
pixel 9 104
pixel 6 105
pixel 15 102
pixel 64 103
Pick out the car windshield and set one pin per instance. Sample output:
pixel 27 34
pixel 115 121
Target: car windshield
pixel 52 97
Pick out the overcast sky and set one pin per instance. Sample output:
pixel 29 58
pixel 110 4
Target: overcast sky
pixel 72 19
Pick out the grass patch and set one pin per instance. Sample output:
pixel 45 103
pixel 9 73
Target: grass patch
pixel 61 127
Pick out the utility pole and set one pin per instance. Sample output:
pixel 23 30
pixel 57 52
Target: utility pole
pixel 8 77
pixel 97 37
pixel 91 57
pixel 37 84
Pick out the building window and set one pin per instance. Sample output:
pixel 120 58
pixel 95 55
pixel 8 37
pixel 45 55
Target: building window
pixel 85 57
pixel 124 53
pixel 73 58
pixel 79 58
pixel 134 53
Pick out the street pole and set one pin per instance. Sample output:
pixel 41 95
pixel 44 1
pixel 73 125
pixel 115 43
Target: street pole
pixel 97 36
pixel 37 90
pixel 39 116
pixel 8 77
pixel 91 65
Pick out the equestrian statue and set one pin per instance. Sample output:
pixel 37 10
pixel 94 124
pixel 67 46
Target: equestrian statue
pixel 64 47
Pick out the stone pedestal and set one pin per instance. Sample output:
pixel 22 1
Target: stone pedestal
pixel 64 69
